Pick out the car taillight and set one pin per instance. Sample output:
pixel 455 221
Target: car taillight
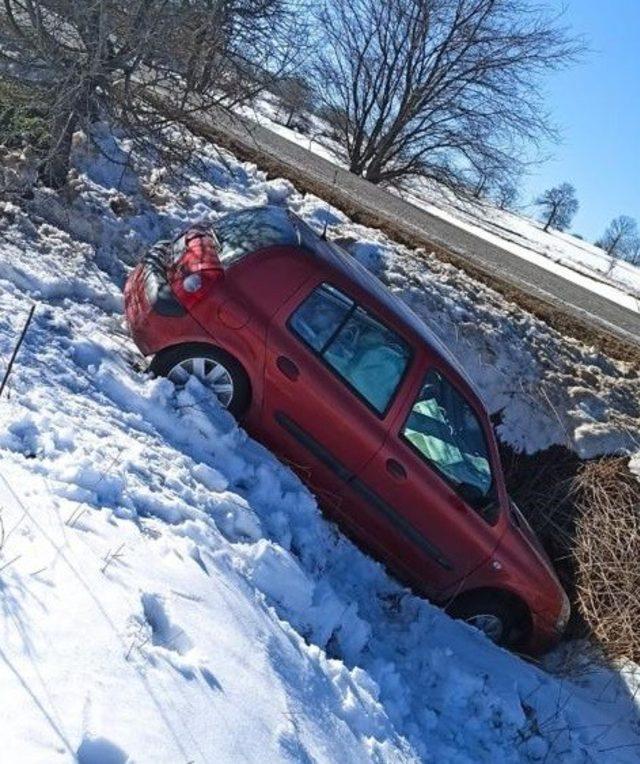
pixel 196 267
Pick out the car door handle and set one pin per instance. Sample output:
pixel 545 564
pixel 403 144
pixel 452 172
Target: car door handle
pixel 288 368
pixel 395 469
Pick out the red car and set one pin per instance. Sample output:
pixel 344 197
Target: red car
pixel 343 382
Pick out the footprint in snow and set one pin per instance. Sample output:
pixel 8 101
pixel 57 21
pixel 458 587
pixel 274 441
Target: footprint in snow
pixel 210 679
pixel 99 750
pixel 164 633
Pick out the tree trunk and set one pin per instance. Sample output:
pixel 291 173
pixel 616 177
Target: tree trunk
pixel 374 170
pixel 611 248
pixel 355 166
pixel 55 167
pixel 373 175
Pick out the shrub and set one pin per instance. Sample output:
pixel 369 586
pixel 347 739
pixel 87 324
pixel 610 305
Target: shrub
pixel 20 123
pixel 607 554
pixel 587 515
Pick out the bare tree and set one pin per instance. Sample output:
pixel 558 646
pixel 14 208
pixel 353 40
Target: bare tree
pixel 497 183
pixel 506 195
pixel 558 206
pixel 76 60
pixel 438 88
pixel 295 95
pixel 487 180
pixel 621 239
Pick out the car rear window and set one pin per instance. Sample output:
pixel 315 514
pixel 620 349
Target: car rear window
pixel 367 355
pixel 246 231
pixel 447 433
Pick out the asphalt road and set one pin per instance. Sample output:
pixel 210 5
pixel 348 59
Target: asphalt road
pixel 593 310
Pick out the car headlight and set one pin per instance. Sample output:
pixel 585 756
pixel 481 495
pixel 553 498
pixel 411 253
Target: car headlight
pixel 565 611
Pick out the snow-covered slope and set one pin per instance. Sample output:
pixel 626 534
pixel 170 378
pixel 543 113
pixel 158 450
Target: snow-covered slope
pixel 170 593
pixel 561 253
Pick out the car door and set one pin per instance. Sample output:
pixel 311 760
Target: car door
pixel 433 486
pixel 327 395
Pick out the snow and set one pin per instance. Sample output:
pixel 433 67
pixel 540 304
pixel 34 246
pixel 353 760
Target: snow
pixel 560 253
pixel 264 110
pixel 170 592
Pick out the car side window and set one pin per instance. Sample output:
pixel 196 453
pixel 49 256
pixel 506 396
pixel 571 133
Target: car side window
pixel 367 355
pixel 320 316
pixel 445 430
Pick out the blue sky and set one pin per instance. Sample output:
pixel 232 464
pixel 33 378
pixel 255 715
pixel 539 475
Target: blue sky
pixel 596 104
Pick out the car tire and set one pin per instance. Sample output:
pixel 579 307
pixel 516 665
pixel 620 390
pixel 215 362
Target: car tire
pixel 218 370
pixel 497 615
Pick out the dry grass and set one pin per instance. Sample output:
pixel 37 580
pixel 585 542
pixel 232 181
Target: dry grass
pixel 588 517
pixel 607 554
pixel 541 484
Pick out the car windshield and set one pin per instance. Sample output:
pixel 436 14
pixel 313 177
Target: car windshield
pixel 246 231
pixel 445 430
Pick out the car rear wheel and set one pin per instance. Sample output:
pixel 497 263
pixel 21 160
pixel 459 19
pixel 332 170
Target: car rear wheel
pixel 218 371
pixel 497 616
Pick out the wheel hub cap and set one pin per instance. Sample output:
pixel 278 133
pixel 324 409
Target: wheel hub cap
pixel 489 624
pixel 211 374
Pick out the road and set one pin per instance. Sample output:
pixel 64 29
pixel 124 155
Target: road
pixel 373 205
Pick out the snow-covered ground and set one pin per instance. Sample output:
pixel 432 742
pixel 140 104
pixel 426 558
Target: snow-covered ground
pixel 170 593
pixel 561 253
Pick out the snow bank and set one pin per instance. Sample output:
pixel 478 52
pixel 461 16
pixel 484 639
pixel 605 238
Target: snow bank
pixel 170 592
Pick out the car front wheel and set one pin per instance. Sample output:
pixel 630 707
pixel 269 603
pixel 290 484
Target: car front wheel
pixel 218 371
pixel 495 615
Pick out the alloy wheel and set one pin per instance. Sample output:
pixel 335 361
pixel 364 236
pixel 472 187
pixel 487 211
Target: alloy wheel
pixel 488 623
pixel 211 374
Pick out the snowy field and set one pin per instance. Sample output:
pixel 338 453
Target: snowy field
pixel 561 253
pixel 170 593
